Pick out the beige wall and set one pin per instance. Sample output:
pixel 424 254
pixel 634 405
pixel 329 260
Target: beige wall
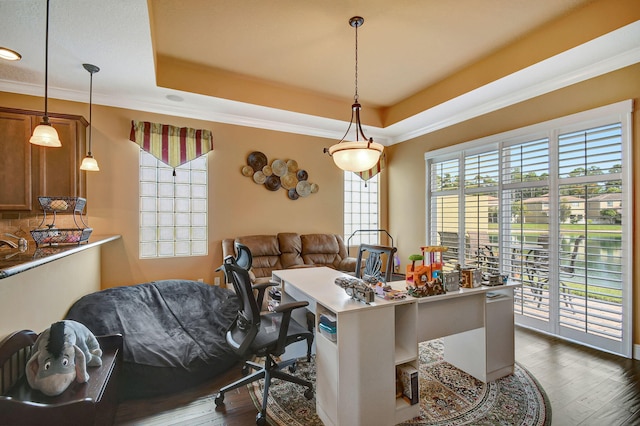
pixel 406 171
pixel 237 206
pixel 36 298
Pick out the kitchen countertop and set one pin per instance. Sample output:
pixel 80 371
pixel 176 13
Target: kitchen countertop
pixel 13 261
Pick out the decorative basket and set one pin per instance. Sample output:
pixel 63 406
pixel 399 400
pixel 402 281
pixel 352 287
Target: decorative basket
pixel 50 235
pixel 62 204
pixel 53 236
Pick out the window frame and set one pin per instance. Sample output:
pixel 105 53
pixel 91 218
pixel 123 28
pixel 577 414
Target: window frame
pixel 350 180
pixel 188 233
pixel 615 113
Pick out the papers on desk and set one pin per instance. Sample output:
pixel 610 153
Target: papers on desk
pixel 328 320
pixel 328 326
pixel 388 293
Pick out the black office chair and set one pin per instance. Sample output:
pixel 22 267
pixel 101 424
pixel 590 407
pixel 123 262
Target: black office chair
pixel 263 335
pixel 244 259
pixel 373 259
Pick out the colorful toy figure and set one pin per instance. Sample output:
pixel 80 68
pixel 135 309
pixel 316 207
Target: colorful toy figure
pixel 411 268
pixel 426 279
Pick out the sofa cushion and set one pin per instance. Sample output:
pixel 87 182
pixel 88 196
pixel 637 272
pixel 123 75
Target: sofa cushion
pixel 265 252
pixel 291 249
pixel 322 249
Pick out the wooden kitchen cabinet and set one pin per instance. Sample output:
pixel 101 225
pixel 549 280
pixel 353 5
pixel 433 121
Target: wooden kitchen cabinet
pixel 15 161
pixel 30 171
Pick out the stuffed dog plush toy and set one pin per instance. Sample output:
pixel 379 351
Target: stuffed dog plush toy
pixel 61 355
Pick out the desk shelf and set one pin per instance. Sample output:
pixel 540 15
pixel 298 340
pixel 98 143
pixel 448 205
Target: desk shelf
pixel 406 318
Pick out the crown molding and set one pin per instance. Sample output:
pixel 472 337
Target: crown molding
pixel 605 54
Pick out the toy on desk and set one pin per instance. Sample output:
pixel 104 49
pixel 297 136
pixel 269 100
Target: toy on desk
pixel 385 291
pixel 356 288
pixel 433 257
pixel 60 355
pixel 424 287
pixel 470 277
pixel 411 268
pixel 451 280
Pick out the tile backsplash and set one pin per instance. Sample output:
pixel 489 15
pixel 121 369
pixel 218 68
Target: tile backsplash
pixel 20 224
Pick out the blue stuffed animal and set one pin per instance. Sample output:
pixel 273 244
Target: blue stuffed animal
pixel 61 355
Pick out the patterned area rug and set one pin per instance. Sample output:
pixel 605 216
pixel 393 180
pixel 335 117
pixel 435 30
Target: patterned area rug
pixel 448 396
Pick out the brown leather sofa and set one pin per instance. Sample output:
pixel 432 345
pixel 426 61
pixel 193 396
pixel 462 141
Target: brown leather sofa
pixel 291 250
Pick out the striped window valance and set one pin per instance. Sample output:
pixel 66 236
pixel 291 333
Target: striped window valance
pixel 171 144
pixel 368 174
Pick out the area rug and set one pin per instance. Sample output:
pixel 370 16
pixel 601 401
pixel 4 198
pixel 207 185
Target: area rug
pixel 448 396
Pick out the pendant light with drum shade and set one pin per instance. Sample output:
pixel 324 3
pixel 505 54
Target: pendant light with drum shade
pixel 89 163
pixel 44 134
pixel 358 155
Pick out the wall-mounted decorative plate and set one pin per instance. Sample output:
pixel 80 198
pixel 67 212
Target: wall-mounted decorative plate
pixel 272 183
pixel 259 177
pixel 279 167
pixel 302 175
pixel 289 181
pixel 279 174
pixel 293 194
pixel 257 160
pixel 303 188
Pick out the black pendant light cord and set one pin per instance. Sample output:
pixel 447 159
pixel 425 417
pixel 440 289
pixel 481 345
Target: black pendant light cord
pixel 355 97
pixel 356 22
pixel 45 119
pixel 356 104
pixel 90 108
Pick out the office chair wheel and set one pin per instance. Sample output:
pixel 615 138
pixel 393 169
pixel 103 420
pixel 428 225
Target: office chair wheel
pixel 308 393
pixel 261 419
pixel 292 368
pixel 219 399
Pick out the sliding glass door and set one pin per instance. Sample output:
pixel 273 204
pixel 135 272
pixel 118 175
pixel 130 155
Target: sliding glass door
pixel 546 210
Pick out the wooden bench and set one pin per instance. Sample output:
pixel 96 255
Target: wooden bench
pixel 91 403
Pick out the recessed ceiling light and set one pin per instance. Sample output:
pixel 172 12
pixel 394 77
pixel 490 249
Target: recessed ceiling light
pixel 175 98
pixel 9 55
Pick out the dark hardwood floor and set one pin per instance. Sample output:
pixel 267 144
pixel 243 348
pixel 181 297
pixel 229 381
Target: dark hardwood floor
pixel 586 388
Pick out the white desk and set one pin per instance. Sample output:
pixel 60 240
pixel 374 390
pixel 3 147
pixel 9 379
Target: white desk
pixel 355 376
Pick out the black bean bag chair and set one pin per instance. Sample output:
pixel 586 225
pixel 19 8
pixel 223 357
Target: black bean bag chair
pixel 173 332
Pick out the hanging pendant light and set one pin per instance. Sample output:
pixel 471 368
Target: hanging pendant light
pixel 89 163
pixel 44 134
pixel 358 155
pixel 9 54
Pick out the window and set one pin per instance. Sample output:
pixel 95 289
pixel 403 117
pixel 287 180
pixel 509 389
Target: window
pixel 361 209
pixel 545 208
pixel 173 209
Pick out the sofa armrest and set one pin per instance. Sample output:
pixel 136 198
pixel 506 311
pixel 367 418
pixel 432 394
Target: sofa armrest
pixel 348 264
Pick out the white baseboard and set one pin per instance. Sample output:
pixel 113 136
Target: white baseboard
pixel 636 351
